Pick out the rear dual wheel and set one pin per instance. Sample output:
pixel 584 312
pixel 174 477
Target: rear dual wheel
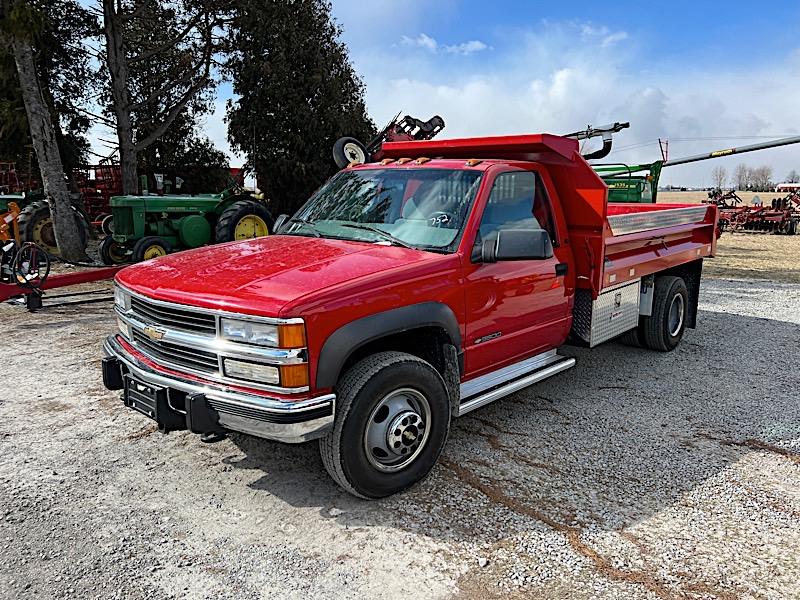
pixel 664 328
pixel 392 420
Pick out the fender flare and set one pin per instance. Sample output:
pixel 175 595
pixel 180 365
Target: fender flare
pixel 341 344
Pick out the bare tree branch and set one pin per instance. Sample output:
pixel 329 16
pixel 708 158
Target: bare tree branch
pixel 169 43
pixel 104 120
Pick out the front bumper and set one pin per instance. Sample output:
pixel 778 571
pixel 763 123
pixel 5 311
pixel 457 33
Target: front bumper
pixel 205 408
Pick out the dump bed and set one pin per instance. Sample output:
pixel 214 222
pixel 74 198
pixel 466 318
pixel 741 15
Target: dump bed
pixel 611 243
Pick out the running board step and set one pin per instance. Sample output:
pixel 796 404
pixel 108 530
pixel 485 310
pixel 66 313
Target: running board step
pixel 488 388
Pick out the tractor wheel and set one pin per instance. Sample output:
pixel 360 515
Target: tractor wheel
pixel 347 150
pixel 149 247
pixel 107 225
pixel 113 253
pixel 243 220
pixel 36 225
pixel 664 329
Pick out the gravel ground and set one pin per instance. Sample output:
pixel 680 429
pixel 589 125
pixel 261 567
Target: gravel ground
pixel 633 475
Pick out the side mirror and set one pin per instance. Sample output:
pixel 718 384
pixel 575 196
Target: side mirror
pixel 517 244
pixel 279 223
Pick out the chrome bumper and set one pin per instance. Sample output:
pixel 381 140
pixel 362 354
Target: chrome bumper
pixel 261 416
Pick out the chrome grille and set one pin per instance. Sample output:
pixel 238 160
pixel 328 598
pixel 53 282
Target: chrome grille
pixel 184 356
pixel 173 317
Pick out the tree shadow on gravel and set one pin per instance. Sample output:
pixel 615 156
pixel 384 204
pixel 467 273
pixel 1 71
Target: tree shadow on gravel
pixel 609 443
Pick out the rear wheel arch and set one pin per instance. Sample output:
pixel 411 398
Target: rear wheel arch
pixel 399 329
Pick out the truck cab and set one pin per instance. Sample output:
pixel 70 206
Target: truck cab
pixel 403 294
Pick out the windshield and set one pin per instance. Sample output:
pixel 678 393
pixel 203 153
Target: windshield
pixel 421 208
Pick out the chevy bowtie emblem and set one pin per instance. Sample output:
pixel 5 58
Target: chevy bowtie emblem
pixel 154 333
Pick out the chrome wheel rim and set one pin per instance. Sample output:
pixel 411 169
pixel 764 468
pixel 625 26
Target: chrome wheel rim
pixel 676 315
pixel 397 430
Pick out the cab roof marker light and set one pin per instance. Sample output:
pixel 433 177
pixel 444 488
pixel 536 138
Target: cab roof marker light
pixel 387 161
pixel 421 160
pixel 402 161
pixel 473 162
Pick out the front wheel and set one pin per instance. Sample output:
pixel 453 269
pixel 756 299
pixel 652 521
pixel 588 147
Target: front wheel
pixel 107 225
pixel 112 253
pixel 392 421
pixel 150 247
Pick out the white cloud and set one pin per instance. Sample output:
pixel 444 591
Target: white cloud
pixel 547 82
pixel 423 40
pixel 467 48
pixel 613 38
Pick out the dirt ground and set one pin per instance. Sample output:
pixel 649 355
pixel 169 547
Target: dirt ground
pixel 634 475
pixel 748 255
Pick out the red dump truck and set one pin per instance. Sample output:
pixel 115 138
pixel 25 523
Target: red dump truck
pixel 403 294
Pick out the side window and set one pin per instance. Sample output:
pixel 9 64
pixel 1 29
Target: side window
pixel 518 200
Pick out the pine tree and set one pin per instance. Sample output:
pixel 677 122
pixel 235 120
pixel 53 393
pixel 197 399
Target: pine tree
pixel 297 94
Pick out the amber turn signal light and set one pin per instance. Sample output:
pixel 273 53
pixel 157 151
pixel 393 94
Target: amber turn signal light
pixel 294 375
pixel 292 336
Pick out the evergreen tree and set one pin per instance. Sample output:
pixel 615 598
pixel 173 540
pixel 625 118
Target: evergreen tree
pixel 298 93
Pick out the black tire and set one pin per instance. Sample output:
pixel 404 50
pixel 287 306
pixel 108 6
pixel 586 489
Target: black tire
pixel 225 230
pixel 659 331
pixel 107 225
pixel 347 150
pixel 359 392
pixel 112 253
pixel 36 225
pixel 632 338
pixel 152 242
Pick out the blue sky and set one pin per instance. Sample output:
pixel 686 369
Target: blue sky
pixel 687 71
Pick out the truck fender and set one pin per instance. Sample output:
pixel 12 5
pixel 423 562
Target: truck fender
pixel 341 344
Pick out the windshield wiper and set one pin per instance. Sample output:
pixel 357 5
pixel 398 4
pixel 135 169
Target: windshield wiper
pixel 384 234
pixel 309 224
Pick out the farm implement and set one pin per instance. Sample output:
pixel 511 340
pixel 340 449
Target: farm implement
pixel 782 216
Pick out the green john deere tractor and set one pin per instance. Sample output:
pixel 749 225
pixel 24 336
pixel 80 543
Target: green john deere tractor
pixel 147 226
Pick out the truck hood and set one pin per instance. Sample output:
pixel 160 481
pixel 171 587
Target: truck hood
pixel 261 276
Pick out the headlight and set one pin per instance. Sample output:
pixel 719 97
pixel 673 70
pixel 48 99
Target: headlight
pixel 251 371
pixel 249 332
pixel 263 334
pixel 120 298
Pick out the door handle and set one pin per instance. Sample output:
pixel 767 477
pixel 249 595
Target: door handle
pixel 561 269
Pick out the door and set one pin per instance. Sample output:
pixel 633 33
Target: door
pixel 515 308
